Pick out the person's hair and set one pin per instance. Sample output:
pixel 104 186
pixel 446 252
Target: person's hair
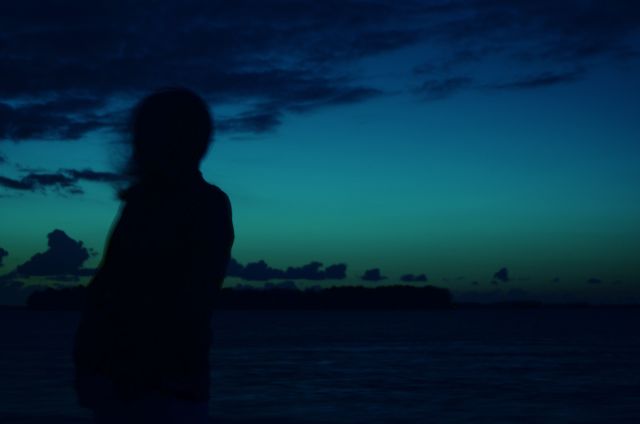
pixel 171 130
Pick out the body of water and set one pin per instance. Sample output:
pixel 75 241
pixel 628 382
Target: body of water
pixel 442 366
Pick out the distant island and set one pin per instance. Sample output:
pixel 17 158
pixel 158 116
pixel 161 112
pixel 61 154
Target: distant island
pixel 344 297
pixel 288 297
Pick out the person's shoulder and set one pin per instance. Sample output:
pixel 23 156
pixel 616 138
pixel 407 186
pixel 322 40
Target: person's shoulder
pixel 214 195
pixel 213 191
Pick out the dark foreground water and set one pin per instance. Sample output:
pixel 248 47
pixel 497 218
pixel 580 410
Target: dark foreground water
pixel 458 366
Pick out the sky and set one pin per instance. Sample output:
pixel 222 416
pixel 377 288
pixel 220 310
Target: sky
pixel 491 145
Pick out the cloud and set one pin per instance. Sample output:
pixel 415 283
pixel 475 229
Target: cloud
pixel 567 31
pixel 372 275
pixel 235 268
pixel 336 272
pixel 64 181
pixel 260 121
pixel 313 271
pixel 58 119
pixel 95 176
pixel 502 275
pixel 539 40
pixel 39 181
pixel 3 253
pixel 66 69
pixel 544 79
pixel 3 159
pixel 412 277
pixel 594 280
pixel 260 271
pixel 64 256
pixel 272 57
pixel 450 61
pixel 437 89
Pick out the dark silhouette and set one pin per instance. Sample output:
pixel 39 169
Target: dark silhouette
pixel 142 347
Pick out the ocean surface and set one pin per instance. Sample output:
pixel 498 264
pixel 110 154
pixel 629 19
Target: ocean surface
pixel 440 366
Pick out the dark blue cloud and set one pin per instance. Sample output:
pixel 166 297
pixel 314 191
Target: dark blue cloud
pixel 260 121
pixel 235 268
pixel 260 271
pixel 594 280
pixel 3 254
pixel 544 79
pixel 436 89
pixel 65 118
pixel 274 57
pixel 502 275
pixel 39 181
pixel 440 88
pixel 372 274
pixel 64 256
pixel 526 44
pixel 336 272
pixel 412 277
pixel 314 271
pixel 64 63
pixel 64 181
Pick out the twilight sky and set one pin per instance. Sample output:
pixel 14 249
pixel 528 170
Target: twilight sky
pixel 450 138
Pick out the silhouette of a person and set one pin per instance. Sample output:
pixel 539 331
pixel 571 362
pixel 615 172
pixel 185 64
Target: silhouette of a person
pixel 141 351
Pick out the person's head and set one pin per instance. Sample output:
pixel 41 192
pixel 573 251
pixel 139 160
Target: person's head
pixel 171 132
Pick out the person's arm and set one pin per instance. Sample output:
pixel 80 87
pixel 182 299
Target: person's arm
pixel 212 237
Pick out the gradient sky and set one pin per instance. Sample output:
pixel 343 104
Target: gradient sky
pixel 451 138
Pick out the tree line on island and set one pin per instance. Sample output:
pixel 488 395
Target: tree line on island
pixel 278 297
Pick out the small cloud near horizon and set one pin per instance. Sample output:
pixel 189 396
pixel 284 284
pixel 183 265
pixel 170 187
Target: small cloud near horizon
pixel 3 254
pixel 414 278
pixel 261 271
pixel 502 275
pixel 63 181
pixel 373 274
